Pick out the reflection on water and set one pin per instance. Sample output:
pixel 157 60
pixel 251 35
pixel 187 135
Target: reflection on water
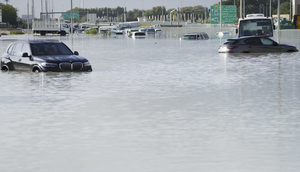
pixel 154 104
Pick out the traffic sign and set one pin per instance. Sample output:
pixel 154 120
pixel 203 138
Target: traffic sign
pixel 228 14
pixel 68 15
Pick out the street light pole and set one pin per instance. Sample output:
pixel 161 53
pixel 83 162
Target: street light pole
pixel 72 17
pixel 27 15
pixel 162 11
pixel 72 23
pixel 241 8
pixel 220 20
pixel 193 12
pixel 244 10
pixel 278 22
pixel 32 10
pixel 270 10
pixel 205 17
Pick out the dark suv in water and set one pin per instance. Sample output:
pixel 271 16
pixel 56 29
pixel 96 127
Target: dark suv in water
pixel 43 56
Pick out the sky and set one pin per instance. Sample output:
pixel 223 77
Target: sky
pixel 64 5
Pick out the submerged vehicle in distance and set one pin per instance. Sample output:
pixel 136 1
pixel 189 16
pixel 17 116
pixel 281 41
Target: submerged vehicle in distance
pixel 223 34
pixel 195 36
pixel 137 35
pixel 254 44
pixel 43 56
pixel 150 31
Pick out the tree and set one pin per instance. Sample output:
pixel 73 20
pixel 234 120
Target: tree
pixel 284 8
pixel 9 14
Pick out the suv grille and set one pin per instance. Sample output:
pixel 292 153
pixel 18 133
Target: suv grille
pixel 66 67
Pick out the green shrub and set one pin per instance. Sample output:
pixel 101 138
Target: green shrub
pixel 92 31
pixel 145 25
pixel 16 32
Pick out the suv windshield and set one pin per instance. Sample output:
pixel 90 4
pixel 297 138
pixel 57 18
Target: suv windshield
pixel 205 36
pixel 41 49
pixel 189 37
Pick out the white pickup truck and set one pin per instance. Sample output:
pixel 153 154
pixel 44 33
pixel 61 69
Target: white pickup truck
pixel 53 27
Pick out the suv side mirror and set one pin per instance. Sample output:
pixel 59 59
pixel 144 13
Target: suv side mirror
pixel 76 53
pixel 25 54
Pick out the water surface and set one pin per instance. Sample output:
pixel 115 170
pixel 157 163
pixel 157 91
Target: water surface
pixel 153 105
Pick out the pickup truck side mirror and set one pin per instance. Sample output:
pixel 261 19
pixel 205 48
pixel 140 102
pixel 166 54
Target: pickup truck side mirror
pixel 76 53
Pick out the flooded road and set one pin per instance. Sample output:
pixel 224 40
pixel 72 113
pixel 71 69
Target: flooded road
pixel 153 105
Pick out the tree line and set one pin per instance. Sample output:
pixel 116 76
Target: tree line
pixel 132 15
pixel 251 6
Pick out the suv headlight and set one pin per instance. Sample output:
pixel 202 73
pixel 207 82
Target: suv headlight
pixel 48 64
pixel 87 63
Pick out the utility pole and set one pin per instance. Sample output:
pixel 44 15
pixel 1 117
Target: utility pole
pixel 32 8
pixel 270 10
pixel 241 8
pixel 125 14
pixel 46 5
pixel 278 22
pixel 41 16
pixel 27 15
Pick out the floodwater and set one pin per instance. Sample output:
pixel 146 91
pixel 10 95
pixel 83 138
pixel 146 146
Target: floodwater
pixel 153 105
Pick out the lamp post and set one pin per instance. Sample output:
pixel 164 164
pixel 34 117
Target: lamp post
pixel 266 9
pixel 241 8
pixel 220 20
pixel 193 12
pixel 72 24
pixel 27 15
pixel 205 13
pixel 244 8
pixel 72 17
pixel 32 10
pixel 162 11
pixel 278 22
pixel 270 10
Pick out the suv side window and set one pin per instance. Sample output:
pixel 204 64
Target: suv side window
pixel 18 49
pixel 266 41
pixel 201 36
pixel 253 41
pixel 205 36
pixel 11 49
pixel 26 49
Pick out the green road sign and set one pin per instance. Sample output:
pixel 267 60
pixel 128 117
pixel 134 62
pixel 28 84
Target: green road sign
pixel 228 14
pixel 68 15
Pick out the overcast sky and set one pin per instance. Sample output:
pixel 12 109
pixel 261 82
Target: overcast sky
pixel 64 5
